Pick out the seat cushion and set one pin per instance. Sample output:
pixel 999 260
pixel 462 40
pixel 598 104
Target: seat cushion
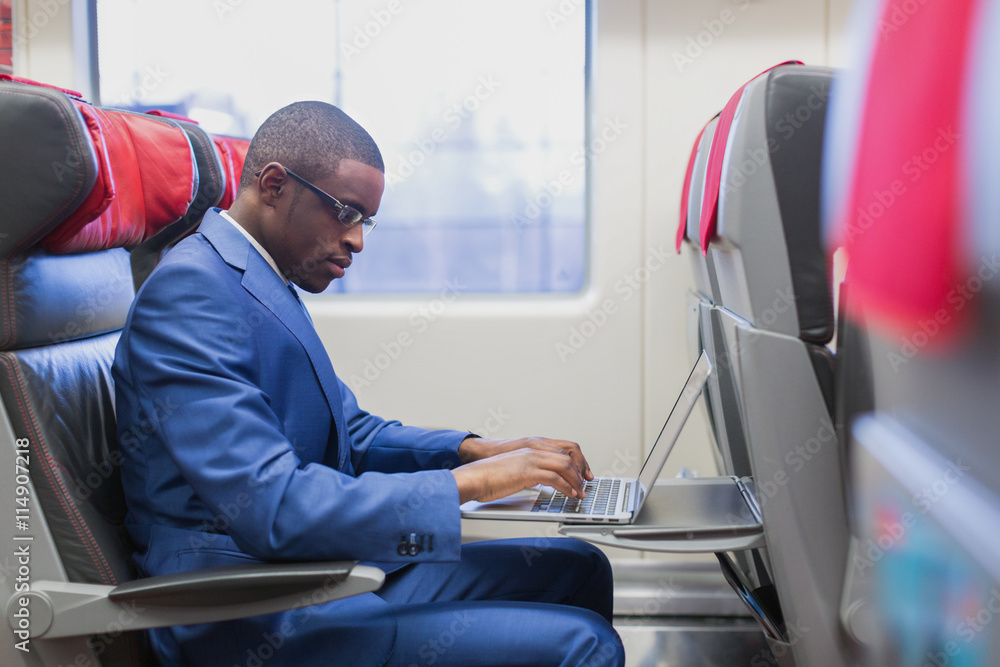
pixel 61 398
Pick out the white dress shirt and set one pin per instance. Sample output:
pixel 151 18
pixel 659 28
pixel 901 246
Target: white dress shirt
pixel 257 246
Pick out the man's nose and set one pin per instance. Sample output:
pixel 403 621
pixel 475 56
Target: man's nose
pixel 355 238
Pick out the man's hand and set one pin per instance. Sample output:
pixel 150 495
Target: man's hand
pixel 496 468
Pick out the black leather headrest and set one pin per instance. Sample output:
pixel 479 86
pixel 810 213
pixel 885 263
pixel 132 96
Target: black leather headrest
pixel 78 185
pixel 49 163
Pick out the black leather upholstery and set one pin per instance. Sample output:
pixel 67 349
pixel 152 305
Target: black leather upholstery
pixel 854 388
pixel 48 170
pixel 52 298
pixel 63 401
pixel 823 364
pixel 796 161
pixel 60 320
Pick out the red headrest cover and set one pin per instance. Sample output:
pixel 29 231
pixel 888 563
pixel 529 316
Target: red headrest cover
pixel 147 179
pixel 713 177
pixel 233 152
pixel 903 220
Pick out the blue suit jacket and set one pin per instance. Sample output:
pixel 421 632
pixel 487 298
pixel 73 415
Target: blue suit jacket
pixel 239 443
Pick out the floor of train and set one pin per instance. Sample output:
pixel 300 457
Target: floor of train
pixel 691 642
pixel 683 615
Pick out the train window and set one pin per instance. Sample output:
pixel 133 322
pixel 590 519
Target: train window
pixel 479 109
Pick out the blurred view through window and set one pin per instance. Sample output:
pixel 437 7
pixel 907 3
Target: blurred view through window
pixel 478 107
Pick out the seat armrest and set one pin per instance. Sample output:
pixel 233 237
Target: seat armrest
pixel 52 609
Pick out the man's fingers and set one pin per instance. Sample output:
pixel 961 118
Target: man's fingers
pixel 565 469
pixel 522 468
pixel 573 450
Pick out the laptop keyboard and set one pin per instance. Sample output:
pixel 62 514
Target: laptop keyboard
pixel 600 495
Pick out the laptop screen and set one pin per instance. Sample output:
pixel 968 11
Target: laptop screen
pixel 672 427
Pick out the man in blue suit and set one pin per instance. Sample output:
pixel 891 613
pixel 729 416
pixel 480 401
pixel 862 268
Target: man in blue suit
pixel 240 443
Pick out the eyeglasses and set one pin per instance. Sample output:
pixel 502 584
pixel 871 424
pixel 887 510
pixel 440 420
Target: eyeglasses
pixel 348 215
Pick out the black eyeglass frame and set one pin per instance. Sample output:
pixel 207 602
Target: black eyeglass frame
pixel 347 215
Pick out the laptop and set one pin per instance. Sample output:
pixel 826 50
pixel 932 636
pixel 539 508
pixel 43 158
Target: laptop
pixel 609 500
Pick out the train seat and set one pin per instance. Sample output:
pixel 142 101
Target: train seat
pixel 700 299
pixel 918 221
pixel 80 186
pixel 772 321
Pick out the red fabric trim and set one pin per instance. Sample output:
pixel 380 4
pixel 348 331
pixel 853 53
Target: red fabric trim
pixel 103 192
pixel 32 82
pixel 172 116
pixel 713 176
pixel 233 153
pixel 685 193
pixel 902 230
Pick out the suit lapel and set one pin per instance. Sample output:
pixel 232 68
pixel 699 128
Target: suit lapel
pixel 260 280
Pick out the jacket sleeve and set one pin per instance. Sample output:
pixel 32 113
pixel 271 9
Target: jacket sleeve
pixel 229 446
pixel 389 446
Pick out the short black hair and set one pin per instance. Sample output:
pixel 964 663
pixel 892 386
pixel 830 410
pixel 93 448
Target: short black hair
pixel 310 138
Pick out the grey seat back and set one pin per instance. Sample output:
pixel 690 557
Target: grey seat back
pixel 772 320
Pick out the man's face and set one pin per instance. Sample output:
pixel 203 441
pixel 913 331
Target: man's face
pixel 310 244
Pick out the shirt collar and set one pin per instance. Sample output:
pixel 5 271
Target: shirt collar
pixel 257 246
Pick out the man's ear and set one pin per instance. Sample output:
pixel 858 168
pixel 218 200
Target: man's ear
pixel 272 184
